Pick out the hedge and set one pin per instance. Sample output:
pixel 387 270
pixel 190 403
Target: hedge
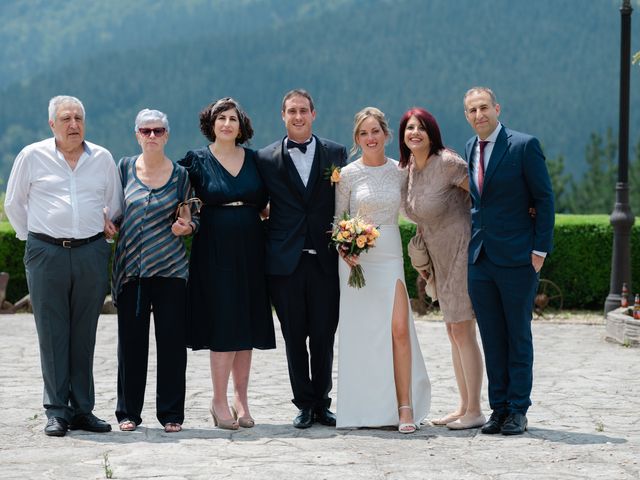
pixel 580 263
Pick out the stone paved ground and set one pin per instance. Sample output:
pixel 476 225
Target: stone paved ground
pixel 584 422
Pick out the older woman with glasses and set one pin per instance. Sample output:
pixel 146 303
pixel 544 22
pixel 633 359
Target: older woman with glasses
pixel 150 270
pixel 228 308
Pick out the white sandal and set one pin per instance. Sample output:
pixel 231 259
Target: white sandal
pixel 407 427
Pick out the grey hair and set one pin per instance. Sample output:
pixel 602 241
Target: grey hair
pixel 148 116
pixel 494 100
pixel 55 103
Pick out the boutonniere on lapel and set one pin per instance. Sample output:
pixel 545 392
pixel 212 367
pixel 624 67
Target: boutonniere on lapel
pixel 332 173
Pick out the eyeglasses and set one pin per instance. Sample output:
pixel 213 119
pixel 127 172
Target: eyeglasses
pixel 158 132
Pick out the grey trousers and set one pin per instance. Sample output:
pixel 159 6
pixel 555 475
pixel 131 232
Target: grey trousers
pixel 67 288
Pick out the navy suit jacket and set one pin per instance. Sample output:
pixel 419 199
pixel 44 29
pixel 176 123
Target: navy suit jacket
pixel 516 179
pixel 298 214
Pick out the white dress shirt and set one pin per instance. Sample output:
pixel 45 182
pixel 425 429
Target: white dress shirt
pixel 303 161
pixel 44 195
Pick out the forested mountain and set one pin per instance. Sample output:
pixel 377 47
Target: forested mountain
pixel 554 65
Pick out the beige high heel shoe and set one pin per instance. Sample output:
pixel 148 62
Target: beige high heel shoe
pixel 244 421
pixel 225 424
pixel 407 427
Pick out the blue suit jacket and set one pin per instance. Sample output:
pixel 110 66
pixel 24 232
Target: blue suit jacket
pixel 516 179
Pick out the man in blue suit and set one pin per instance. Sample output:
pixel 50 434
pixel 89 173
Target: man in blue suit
pixel 508 246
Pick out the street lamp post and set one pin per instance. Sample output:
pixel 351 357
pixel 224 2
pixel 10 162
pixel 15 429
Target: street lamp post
pixel 621 218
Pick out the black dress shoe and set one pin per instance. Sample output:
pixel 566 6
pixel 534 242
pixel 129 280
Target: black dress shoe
pixel 515 424
pixel 56 427
pixel 325 417
pixel 304 418
pixel 494 424
pixel 90 423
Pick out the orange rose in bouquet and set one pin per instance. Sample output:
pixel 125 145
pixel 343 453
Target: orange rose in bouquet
pixel 352 235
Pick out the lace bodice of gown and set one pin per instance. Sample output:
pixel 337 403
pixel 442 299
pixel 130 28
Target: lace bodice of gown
pixel 372 192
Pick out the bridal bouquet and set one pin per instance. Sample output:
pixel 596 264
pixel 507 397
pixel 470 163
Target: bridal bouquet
pixel 351 235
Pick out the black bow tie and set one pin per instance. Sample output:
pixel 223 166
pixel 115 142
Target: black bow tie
pixel 300 146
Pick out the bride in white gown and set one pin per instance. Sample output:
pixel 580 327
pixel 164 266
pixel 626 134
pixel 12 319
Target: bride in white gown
pixel 382 378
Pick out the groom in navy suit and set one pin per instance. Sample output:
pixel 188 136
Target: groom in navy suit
pixel 302 269
pixel 506 252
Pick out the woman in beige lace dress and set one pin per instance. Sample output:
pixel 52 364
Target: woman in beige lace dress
pixel 437 199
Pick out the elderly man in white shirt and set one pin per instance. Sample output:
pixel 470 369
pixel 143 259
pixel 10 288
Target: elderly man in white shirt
pixel 57 195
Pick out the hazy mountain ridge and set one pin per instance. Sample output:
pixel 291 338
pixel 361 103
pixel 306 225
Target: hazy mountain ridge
pixel 553 64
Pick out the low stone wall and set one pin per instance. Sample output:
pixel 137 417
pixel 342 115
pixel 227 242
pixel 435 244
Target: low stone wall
pixel 623 328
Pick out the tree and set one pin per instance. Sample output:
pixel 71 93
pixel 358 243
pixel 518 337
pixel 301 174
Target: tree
pixel 634 181
pixel 595 193
pixel 562 184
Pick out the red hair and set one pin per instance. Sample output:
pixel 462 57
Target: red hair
pixel 429 123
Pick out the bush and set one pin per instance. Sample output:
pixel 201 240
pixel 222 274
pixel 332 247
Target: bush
pixel 581 260
pixel 580 263
pixel 11 253
pixel 11 261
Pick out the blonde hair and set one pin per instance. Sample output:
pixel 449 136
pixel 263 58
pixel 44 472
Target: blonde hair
pixel 360 117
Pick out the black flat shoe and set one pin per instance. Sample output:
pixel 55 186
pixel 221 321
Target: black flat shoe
pixel 56 427
pixel 515 424
pixel 304 418
pixel 494 424
pixel 90 423
pixel 325 416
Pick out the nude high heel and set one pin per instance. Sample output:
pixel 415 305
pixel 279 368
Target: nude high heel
pixel 407 427
pixel 245 421
pixel 225 424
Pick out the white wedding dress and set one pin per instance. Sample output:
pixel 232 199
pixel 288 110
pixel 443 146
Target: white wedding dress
pixel 366 385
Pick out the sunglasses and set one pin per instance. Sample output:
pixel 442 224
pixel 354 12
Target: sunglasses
pixel 158 132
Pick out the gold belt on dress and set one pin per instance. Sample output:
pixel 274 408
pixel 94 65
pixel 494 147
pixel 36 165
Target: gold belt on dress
pixel 237 204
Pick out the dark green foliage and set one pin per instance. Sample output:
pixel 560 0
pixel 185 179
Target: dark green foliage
pixel 581 260
pixel 407 231
pixel 11 261
pixel 11 253
pixel 562 185
pixel 580 263
pixel 595 193
pixel 634 180
pixel 120 56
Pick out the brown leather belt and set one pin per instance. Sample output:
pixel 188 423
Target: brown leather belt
pixel 67 242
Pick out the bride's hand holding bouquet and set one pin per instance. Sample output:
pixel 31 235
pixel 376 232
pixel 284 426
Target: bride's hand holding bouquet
pixel 352 235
